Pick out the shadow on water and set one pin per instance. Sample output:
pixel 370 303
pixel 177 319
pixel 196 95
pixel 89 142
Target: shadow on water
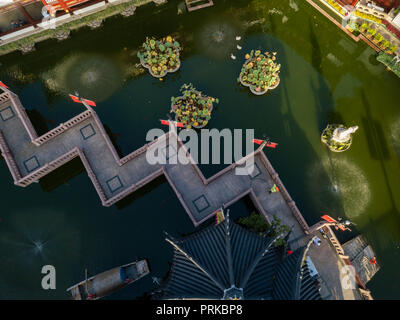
pixel 39 122
pixel 125 202
pixel 62 175
pixel 376 141
pixel 307 156
pixel 113 138
pixel 316 57
pixel 334 116
pixel 377 144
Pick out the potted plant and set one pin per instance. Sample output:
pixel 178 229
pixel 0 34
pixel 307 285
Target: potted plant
pixel 384 44
pixel 391 49
pixel 192 108
pixel 378 38
pixel 160 56
pixel 363 27
pixel 371 32
pixel 260 72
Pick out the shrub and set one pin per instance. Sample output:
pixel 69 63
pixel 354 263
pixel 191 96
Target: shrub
pixel 388 60
pixel 254 222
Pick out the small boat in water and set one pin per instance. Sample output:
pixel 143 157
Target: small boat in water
pixel 109 281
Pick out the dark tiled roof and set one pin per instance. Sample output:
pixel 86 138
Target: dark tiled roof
pixel 228 261
pixel 293 279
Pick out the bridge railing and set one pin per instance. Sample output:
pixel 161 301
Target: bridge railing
pixel 105 136
pixel 93 177
pixel 180 197
pixel 48 167
pixel 180 144
pixel 285 194
pixel 6 153
pixel 62 127
pixel 4 97
pixel 133 187
pixel 21 113
pixel 141 150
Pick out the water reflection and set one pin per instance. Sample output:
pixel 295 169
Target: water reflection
pixel 395 135
pixel 36 237
pixel 93 76
pixel 347 186
pixel 217 39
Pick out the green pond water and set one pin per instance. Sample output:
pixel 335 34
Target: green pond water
pixel 326 78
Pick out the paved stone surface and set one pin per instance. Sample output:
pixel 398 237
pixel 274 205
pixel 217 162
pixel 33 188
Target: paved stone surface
pixel 331 272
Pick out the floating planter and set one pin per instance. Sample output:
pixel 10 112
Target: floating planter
pixel 193 108
pixel 260 72
pixel 160 56
pixel 337 137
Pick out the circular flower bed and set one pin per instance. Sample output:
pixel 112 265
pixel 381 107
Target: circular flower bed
pixel 160 56
pixel 335 146
pixel 260 72
pixel 193 108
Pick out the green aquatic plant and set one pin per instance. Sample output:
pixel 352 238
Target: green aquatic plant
pixel 160 56
pixel 192 108
pixel 260 72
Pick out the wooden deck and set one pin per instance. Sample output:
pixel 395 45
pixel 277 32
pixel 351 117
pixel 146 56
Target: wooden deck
pixel 193 5
pixel 30 157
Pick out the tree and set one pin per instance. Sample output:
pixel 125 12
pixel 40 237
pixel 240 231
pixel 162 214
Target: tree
pixel 254 222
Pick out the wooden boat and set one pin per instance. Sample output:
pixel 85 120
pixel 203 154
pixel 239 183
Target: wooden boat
pixel 109 281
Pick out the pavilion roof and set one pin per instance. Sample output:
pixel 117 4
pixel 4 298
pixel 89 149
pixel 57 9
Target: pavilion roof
pixel 228 261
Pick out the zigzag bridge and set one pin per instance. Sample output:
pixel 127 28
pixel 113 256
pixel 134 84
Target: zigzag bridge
pixel 30 157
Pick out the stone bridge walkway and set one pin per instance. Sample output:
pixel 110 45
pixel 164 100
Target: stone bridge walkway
pixel 30 157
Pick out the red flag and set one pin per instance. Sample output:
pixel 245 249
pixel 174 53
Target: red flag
pixel 75 98
pixel 166 123
pixel 90 102
pixel 272 145
pixel 3 85
pixel 328 218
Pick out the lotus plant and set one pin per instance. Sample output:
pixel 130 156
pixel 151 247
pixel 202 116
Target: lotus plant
pixel 260 72
pixel 192 108
pixel 160 56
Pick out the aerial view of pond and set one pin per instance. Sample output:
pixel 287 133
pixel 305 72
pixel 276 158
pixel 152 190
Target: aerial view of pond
pixel 325 77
